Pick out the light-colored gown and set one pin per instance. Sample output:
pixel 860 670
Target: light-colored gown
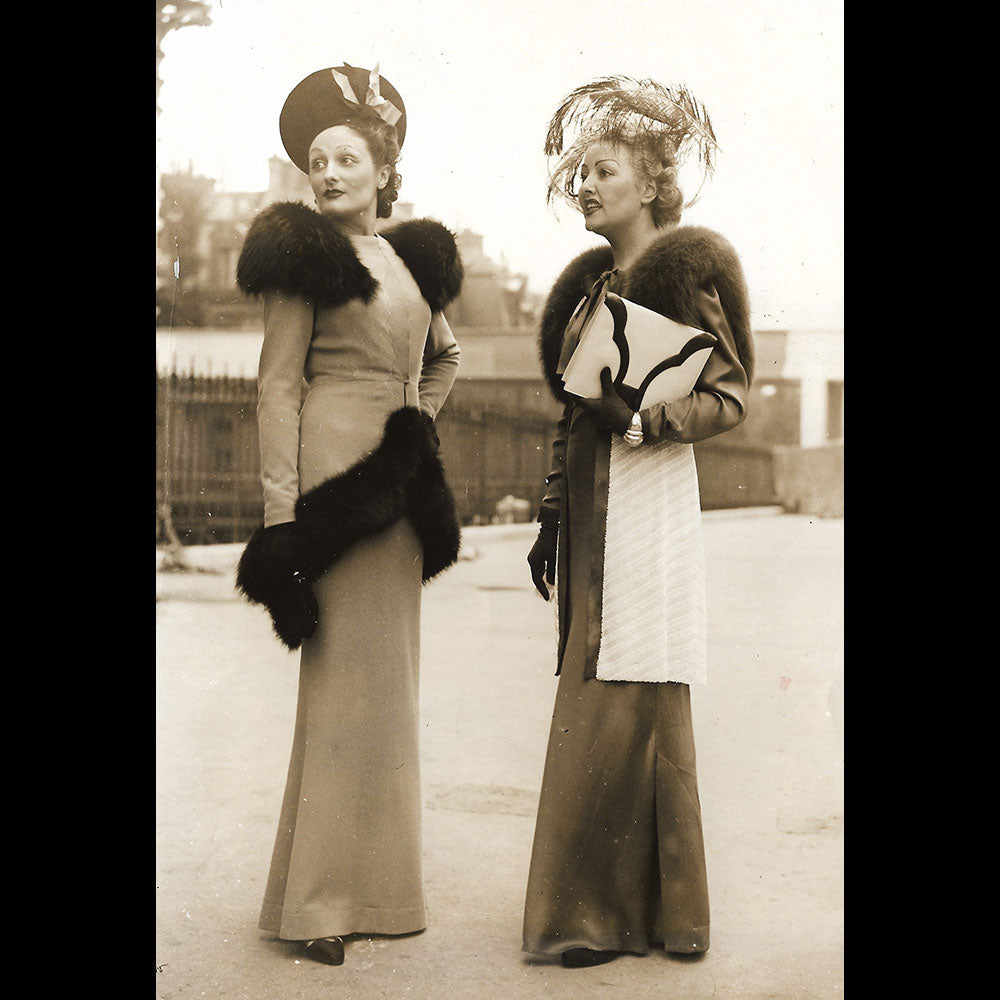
pixel 347 855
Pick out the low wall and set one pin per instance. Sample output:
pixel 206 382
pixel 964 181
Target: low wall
pixel 738 475
pixel 810 480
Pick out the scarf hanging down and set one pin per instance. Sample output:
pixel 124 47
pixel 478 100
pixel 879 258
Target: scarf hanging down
pixel 653 611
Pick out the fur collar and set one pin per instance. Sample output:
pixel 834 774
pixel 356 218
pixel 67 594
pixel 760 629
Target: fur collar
pixel 293 249
pixel 429 250
pixel 664 278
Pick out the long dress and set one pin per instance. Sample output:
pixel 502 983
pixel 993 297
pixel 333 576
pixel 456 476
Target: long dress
pixel 618 860
pixel 347 854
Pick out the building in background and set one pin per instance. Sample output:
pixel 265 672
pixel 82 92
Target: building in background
pixel 202 231
pixel 497 425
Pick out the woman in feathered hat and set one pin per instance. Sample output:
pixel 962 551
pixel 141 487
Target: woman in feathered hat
pixel 618 863
pixel 356 362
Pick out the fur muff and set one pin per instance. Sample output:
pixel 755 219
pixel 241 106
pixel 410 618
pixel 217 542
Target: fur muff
pixel 294 250
pixel 270 573
pixel 368 497
pixel 434 516
pixel 402 477
pixel 430 253
pixel 664 278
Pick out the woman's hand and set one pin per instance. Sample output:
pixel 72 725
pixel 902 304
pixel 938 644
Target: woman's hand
pixel 271 572
pixel 609 411
pixel 294 610
pixel 542 557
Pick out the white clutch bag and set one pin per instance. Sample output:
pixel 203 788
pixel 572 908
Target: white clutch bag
pixel 652 359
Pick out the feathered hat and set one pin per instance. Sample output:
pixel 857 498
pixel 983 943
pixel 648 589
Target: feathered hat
pixel 620 108
pixel 328 97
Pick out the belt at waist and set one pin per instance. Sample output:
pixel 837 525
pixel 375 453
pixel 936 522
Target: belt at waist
pixel 411 394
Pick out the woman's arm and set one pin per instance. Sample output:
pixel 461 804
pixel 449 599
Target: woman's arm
pixel 288 325
pixel 440 366
pixel 552 500
pixel 542 557
pixel 718 401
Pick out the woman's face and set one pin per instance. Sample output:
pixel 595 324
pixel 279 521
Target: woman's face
pixel 343 175
pixel 612 193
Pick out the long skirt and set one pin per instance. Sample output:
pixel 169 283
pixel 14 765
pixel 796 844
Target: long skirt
pixel 618 862
pixel 347 856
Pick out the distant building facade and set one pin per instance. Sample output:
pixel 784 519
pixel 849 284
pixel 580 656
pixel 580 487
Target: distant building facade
pixel 202 232
pixel 497 426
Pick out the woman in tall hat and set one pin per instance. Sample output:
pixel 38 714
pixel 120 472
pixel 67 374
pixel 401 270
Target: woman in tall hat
pixel 618 862
pixel 357 361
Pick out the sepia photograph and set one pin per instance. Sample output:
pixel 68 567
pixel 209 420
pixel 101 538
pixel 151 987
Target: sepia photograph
pixel 499 625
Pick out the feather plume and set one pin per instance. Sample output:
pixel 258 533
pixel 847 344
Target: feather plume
pixel 621 108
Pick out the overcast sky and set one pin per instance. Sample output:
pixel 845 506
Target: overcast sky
pixel 480 78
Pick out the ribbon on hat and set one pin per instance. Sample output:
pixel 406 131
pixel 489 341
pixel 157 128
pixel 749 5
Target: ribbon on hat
pixel 382 106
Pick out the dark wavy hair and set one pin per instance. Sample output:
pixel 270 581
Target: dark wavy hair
pixel 383 145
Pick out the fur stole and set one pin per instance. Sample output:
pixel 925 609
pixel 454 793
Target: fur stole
pixel 293 249
pixel 664 278
pixel 402 477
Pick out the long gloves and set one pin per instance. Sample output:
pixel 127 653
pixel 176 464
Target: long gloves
pixel 609 411
pixel 542 557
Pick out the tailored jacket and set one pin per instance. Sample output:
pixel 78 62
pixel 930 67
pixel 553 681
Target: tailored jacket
pixel 693 276
pixel 293 252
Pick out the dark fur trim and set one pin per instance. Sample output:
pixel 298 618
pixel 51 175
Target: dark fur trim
pixel 270 573
pixel 667 275
pixel 430 252
pixel 402 477
pixel 266 563
pixel 292 249
pixel 664 278
pixel 572 285
pixel 366 498
pixel 433 514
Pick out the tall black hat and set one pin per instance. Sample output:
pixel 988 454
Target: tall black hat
pixel 328 97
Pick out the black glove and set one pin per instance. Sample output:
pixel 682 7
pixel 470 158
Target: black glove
pixel 295 613
pixel 542 557
pixel 610 411
pixel 271 573
pixel 432 429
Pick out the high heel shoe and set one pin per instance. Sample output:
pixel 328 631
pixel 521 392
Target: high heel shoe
pixel 581 958
pixel 329 950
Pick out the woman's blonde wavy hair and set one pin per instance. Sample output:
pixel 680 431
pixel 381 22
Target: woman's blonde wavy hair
pixel 662 126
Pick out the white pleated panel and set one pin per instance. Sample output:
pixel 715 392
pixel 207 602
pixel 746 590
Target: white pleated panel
pixel 653 621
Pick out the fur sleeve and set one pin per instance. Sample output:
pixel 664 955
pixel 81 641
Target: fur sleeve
pixel 293 250
pixel 430 253
pixel 669 274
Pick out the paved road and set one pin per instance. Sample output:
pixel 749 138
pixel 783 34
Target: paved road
pixel 769 731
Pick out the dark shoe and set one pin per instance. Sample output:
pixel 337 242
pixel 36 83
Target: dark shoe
pixel 581 958
pixel 329 950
